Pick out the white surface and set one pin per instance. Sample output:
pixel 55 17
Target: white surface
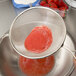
pixel 24 1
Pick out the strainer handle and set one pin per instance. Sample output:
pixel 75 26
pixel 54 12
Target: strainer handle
pixel 72 52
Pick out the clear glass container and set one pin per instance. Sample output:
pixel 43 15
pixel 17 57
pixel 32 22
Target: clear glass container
pixel 60 6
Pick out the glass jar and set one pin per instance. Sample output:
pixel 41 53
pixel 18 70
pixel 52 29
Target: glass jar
pixel 58 5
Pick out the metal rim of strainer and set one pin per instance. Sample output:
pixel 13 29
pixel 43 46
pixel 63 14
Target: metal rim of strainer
pixel 56 49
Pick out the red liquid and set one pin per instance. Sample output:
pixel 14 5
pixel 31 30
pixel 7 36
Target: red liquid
pixel 36 67
pixel 39 39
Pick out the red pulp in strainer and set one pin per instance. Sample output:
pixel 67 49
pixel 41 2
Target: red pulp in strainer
pixel 39 39
pixel 36 67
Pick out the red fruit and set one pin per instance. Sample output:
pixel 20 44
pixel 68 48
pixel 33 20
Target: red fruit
pixel 62 11
pixel 46 5
pixel 63 4
pixel 49 1
pixel 53 5
pixel 56 2
pixel 39 39
pixel 36 67
pixel 42 3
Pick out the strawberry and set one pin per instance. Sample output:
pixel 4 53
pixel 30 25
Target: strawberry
pixel 65 5
pixel 42 3
pixel 49 1
pixel 53 5
pixel 56 2
pixel 62 11
pixel 46 5
pixel 62 4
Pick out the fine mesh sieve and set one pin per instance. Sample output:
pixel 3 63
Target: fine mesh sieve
pixel 30 18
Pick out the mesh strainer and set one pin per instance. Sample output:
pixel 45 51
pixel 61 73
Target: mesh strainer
pixel 30 18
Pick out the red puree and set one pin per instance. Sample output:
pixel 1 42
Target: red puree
pixel 36 67
pixel 39 39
